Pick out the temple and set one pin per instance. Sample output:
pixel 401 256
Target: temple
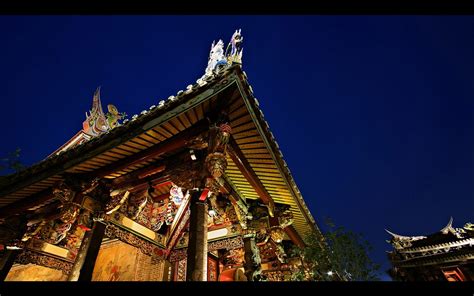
pixel 447 255
pixel 195 188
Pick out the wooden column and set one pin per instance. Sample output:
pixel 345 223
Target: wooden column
pixel 196 267
pixel 6 263
pixel 87 254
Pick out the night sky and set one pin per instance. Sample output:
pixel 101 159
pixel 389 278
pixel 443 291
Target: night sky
pixel 373 114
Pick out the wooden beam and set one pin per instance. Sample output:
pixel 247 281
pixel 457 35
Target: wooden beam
pixel 294 236
pixel 151 172
pixel 155 173
pixel 26 203
pixel 178 141
pixel 241 162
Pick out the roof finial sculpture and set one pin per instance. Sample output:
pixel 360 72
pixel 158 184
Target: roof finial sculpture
pixel 400 241
pixel 448 228
pixel 236 50
pixel 218 59
pixel 458 232
pixel 97 122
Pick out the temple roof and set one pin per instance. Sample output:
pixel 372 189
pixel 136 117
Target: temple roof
pixel 161 122
pixel 447 236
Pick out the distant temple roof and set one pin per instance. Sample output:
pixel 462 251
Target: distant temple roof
pixel 449 241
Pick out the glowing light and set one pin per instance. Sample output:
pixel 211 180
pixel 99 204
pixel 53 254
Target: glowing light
pixel 330 273
pixel 13 248
pixel 193 156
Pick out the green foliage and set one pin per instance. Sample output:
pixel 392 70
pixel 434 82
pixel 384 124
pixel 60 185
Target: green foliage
pixel 12 161
pixel 343 255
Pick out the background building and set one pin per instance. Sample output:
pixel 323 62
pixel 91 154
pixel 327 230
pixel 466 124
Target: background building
pixel 444 255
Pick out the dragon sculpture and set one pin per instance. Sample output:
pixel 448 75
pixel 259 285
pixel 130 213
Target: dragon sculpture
pixel 97 122
pixel 218 59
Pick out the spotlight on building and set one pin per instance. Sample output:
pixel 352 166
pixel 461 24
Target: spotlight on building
pixel 193 156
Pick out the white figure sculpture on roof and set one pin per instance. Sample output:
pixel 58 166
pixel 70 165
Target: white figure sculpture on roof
pixel 216 57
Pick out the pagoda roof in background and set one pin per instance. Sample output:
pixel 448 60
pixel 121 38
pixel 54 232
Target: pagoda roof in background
pixel 449 244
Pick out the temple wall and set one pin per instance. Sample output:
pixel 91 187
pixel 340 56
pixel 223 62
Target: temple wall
pixel 33 272
pixel 118 261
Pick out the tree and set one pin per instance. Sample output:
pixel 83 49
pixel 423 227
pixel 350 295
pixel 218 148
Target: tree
pixel 12 161
pixel 340 255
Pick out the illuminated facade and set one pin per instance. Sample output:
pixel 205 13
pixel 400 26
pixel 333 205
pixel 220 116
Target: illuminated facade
pixel 194 188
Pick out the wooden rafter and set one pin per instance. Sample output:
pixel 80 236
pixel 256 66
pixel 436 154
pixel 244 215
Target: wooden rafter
pixel 294 236
pixel 241 162
pixel 172 144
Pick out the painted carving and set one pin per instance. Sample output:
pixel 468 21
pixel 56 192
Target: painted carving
pixel 228 244
pixel 197 143
pixel 136 204
pixel 216 57
pixel 181 271
pixel 54 231
pixel 240 210
pixel 177 255
pixel 146 247
pixel 177 233
pixel 97 122
pixel 218 140
pixel 218 60
pixel 33 230
pixel 234 49
pixel 117 199
pixel 224 244
pixel 223 212
pixel 277 234
pixel 114 116
pixel 176 195
pixel 234 257
pixel 74 237
pixel 212 267
pixel 170 213
pixel 153 215
pixel 280 252
pixel 28 256
pixel 469 226
pixel 188 175
pixel 63 192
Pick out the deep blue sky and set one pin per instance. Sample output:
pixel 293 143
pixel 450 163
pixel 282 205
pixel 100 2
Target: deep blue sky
pixel 373 114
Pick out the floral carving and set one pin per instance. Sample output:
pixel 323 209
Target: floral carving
pixel 28 256
pixel 145 247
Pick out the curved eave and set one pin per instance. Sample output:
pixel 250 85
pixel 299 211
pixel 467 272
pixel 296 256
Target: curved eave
pixel 138 134
pixel 304 221
pixel 159 123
